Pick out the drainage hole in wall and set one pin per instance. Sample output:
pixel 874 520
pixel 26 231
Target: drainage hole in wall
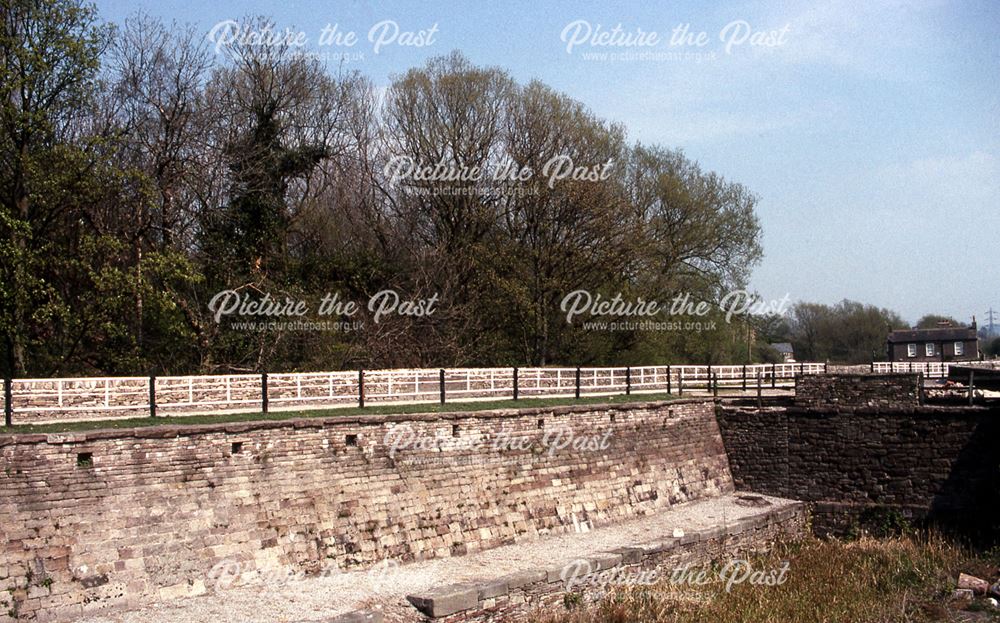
pixel 85 459
pixel 237 447
pixel 351 440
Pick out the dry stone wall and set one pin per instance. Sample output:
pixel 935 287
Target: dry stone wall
pixel 122 516
pixel 858 390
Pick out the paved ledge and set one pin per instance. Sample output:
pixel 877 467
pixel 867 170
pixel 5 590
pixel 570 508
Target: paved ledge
pixel 514 596
pixel 502 584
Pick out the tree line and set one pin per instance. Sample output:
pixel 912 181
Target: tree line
pixel 848 332
pixel 142 173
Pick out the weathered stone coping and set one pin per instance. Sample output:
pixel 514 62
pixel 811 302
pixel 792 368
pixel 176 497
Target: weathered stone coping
pixel 929 410
pixel 484 599
pixel 184 430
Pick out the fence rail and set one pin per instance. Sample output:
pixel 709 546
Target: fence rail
pixel 930 369
pixel 31 401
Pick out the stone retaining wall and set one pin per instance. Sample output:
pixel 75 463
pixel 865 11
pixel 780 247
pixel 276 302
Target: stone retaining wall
pixel 117 517
pixel 936 463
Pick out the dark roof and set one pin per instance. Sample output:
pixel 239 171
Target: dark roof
pixel 947 334
pixel 783 347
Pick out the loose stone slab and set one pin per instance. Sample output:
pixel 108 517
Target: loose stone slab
pixel 446 600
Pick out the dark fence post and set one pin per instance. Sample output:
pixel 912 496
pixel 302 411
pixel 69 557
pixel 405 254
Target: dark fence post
pixel 578 381
pixel 670 383
pixel 152 396
pixel 708 383
pixel 802 368
pixel 8 401
pixel 715 384
pixel 826 365
pixel 442 385
pixel 774 373
pixel 515 384
pixel 920 389
pixel 873 366
pixel 744 377
pixel 628 380
pixel 972 385
pixel 361 388
pixel 680 382
pixel 263 392
pixel 760 393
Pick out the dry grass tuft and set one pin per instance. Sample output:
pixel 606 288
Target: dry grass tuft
pixel 865 581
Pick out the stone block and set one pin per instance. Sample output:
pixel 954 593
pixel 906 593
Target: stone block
pixel 446 600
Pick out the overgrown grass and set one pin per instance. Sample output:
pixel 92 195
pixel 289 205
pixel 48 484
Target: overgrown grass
pixel 383 409
pixel 864 581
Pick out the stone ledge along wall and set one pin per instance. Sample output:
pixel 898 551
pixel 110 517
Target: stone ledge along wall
pixel 525 596
pixel 858 390
pixel 122 516
pixel 924 463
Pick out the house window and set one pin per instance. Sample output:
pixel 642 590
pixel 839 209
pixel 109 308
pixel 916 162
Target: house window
pixel 959 348
pixel 929 350
pixel 911 350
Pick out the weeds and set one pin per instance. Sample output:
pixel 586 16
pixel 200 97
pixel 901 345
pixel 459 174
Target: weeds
pixel 908 578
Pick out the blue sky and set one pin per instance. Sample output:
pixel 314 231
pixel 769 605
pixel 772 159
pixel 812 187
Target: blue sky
pixel 870 132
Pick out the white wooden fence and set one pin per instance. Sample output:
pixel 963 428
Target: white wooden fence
pixel 930 369
pixel 46 400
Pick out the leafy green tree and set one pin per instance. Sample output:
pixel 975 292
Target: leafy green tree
pixel 49 57
pixel 933 321
pixel 848 332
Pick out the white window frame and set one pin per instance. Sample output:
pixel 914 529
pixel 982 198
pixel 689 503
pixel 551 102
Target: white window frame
pixel 959 349
pixel 911 350
pixel 929 349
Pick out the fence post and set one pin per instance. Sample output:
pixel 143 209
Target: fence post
pixel 263 392
pixel 774 373
pixel 628 380
pixel 802 368
pixel 744 377
pixel 972 385
pixel 152 396
pixel 680 382
pixel 670 383
pixel 920 389
pixel 442 385
pixel 8 401
pixel 578 381
pixel 715 384
pixel 515 383
pixel 826 364
pixel 708 385
pixel 361 388
pixel 873 366
pixel 760 393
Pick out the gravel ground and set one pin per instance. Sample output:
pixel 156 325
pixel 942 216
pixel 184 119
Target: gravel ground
pixel 384 587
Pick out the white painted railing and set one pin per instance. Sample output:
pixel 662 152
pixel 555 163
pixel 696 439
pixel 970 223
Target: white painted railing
pixel 43 400
pixel 931 369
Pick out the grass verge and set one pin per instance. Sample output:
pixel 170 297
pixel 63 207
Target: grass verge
pixel 864 581
pixel 386 409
